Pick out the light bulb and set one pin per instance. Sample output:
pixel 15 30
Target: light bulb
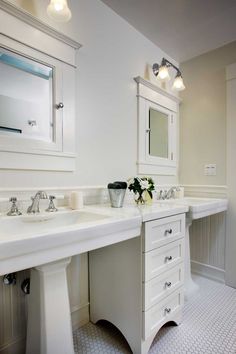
pixel 59 11
pixel 178 84
pixel 163 73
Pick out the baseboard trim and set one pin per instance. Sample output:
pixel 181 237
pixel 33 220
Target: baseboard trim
pixel 79 315
pixel 208 271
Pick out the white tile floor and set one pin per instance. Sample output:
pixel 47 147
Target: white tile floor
pixel 208 327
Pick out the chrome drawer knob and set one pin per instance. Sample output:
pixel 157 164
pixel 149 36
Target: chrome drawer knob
pixel 167 310
pixel 168 258
pixel 168 284
pixel 59 105
pixel 168 232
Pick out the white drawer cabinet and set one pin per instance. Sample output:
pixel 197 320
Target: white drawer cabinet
pixel 161 313
pixel 160 287
pixel 138 284
pixel 161 259
pixel 162 231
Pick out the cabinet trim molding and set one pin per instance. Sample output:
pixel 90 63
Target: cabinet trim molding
pixel 36 23
pixel 160 90
pixel 152 97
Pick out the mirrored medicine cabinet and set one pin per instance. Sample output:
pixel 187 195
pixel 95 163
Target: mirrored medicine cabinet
pixel 26 98
pixel 157 129
pixel 37 95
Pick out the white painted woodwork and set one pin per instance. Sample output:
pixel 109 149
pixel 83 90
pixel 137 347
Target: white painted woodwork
pixel 56 50
pixel 25 28
pixel 204 240
pixel 12 316
pixel 207 246
pixel 152 96
pixel 162 231
pixel 208 235
pixel 156 261
pixel 156 316
pixel 121 290
pixel 49 328
pixel 208 191
pixel 161 286
pixel 230 259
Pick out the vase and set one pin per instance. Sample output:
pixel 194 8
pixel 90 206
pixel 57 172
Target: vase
pixel 139 198
pixel 143 198
pixel 147 198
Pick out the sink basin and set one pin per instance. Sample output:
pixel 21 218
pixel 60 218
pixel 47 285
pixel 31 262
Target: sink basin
pixel 27 241
pixel 200 207
pixel 45 222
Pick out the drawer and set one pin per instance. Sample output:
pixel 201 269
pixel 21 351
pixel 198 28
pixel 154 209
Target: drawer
pixel 161 259
pixel 158 288
pixel 159 232
pixel 163 312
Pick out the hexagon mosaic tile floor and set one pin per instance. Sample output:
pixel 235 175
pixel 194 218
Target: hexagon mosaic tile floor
pixel 208 327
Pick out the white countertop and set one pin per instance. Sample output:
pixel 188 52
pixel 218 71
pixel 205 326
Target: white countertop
pixel 25 244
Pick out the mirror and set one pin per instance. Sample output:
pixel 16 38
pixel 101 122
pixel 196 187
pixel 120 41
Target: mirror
pixel 26 97
pixel 158 133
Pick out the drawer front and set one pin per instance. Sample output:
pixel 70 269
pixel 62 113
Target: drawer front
pixel 158 288
pixel 163 312
pixel 161 259
pixel 160 232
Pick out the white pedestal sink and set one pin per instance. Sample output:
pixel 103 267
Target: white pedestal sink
pixel 198 208
pixel 45 244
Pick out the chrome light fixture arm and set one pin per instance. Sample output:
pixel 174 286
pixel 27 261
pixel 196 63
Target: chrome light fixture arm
pixel 161 71
pixel 165 62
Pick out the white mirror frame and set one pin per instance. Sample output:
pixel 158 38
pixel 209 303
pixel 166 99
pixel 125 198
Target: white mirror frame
pixel 24 34
pixel 152 96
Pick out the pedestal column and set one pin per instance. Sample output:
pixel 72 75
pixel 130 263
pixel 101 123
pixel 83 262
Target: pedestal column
pixel 49 329
pixel 190 287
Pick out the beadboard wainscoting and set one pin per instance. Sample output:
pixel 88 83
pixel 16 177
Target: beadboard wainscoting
pixel 13 302
pixel 208 235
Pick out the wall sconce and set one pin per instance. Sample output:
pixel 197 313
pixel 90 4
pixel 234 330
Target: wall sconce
pixel 59 11
pixel 162 73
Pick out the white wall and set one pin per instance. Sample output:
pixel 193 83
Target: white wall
pixel 204 140
pixel 113 53
pixel 203 116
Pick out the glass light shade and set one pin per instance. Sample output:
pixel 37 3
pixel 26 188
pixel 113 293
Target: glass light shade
pixel 163 73
pixel 178 83
pixel 59 11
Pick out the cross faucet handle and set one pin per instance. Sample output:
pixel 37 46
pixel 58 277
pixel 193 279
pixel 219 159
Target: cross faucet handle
pixel 14 211
pixel 51 208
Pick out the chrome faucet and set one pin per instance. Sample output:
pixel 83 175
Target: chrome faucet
pixel 171 192
pixel 34 207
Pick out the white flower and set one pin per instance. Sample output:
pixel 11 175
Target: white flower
pixel 130 181
pixel 144 184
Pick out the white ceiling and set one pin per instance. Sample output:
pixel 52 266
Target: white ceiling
pixel 182 28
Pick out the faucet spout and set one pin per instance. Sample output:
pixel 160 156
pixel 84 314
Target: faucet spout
pixel 171 192
pixel 34 207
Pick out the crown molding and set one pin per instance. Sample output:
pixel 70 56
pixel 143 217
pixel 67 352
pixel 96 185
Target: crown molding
pixel 36 23
pixel 156 88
